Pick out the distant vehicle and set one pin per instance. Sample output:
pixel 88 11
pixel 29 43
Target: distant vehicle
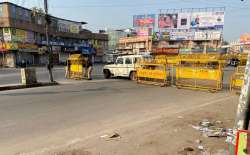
pixel 124 66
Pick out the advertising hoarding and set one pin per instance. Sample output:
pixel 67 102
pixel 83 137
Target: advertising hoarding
pixel 7 34
pixel 144 32
pixel 144 20
pixel 74 28
pixel 187 20
pixel 208 35
pixel 245 38
pixel 165 35
pixel 181 35
pixel 184 20
pixel 207 19
pixel 167 21
pixel 67 26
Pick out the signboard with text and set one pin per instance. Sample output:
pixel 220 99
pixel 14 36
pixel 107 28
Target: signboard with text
pixel 181 35
pixel 191 20
pixel 144 20
pixel 209 35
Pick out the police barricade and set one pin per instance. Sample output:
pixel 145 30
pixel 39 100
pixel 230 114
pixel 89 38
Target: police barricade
pixel 155 72
pixel 75 67
pixel 237 78
pixel 200 74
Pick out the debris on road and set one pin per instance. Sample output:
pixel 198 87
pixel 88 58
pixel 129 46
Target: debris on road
pixel 104 136
pixel 186 151
pixel 114 136
pixel 209 129
pixel 111 137
pixel 201 148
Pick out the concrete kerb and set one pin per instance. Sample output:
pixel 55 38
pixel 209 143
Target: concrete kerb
pixel 21 86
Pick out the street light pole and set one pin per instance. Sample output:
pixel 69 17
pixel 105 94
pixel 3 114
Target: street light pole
pixel 47 23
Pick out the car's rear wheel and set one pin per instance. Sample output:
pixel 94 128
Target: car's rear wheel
pixel 106 73
pixel 132 76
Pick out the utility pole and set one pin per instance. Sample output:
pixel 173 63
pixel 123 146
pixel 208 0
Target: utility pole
pixel 47 23
pixel 242 116
pixel 243 111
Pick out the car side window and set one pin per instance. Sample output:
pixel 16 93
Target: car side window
pixel 128 61
pixel 119 61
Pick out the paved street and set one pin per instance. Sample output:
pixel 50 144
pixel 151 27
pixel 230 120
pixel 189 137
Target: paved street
pixel 12 75
pixel 42 119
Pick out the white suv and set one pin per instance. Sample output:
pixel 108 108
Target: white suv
pixel 124 66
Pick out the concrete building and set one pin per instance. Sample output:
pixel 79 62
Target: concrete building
pixel 22 37
pixel 114 36
pixel 135 44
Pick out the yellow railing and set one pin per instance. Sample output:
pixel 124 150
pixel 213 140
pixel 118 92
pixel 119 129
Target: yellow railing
pixel 154 72
pixel 237 78
pixel 201 74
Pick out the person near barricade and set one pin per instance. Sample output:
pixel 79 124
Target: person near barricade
pixel 89 65
pixel 23 64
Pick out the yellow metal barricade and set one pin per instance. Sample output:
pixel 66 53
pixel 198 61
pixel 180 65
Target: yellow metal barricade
pixel 154 72
pixel 201 74
pixel 237 78
pixel 75 67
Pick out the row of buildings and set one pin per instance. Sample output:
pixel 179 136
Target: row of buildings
pixel 127 42
pixel 22 37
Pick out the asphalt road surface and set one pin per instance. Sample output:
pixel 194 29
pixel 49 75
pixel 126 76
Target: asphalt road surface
pixel 12 75
pixel 37 120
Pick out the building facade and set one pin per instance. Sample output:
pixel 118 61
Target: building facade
pixel 22 37
pixel 114 36
pixel 135 44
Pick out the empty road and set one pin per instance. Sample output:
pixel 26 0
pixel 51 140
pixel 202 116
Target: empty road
pixel 37 120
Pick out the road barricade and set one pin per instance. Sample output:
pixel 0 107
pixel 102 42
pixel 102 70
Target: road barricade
pixel 75 67
pixel 200 74
pixel 237 78
pixel 153 72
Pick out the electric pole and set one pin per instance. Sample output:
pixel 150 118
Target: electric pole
pixel 47 23
pixel 243 112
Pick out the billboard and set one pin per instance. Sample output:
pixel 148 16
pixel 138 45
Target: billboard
pixel 207 19
pixel 189 20
pixel 184 20
pixel 67 26
pixel 181 35
pixel 208 35
pixel 7 34
pixel 245 38
pixel 167 21
pixel 144 20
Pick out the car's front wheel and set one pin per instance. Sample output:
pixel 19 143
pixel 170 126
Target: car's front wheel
pixel 132 76
pixel 106 73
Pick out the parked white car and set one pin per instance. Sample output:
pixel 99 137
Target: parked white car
pixel 124 66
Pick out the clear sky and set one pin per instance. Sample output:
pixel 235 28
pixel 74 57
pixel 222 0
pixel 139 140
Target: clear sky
pixel 102 14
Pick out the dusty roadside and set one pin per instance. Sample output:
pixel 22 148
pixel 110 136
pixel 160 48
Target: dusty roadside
pixel 168 135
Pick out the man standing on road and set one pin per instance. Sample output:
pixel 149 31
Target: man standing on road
pixel 89 67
